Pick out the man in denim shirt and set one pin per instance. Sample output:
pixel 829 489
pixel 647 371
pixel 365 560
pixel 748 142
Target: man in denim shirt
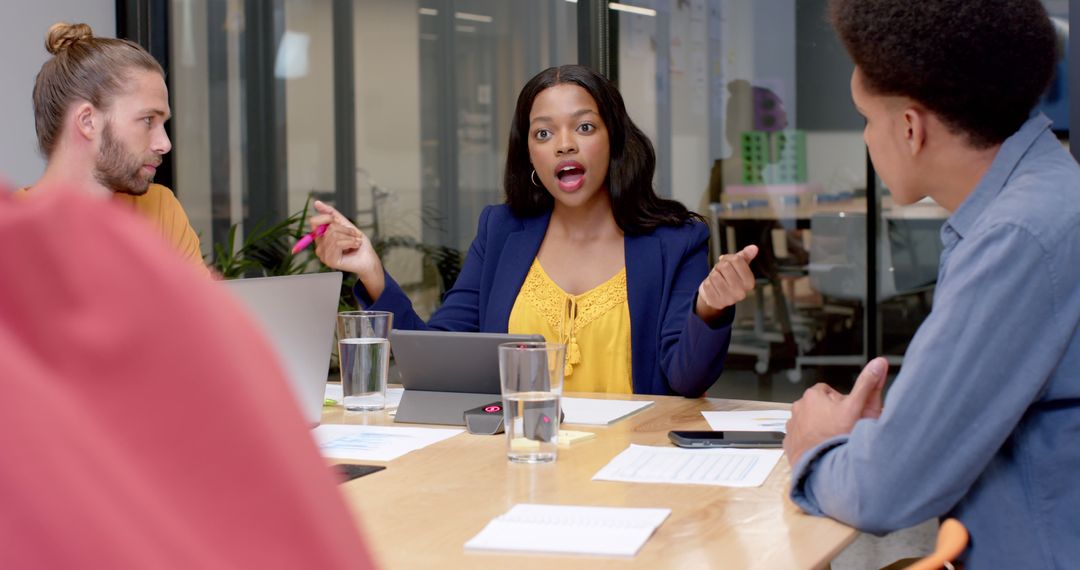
pixel 983 421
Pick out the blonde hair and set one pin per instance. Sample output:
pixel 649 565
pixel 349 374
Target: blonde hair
pixel 83 68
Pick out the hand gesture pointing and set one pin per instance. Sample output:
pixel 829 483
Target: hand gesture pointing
pixel 728 283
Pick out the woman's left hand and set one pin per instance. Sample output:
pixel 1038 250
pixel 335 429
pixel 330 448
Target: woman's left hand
pixel 728 283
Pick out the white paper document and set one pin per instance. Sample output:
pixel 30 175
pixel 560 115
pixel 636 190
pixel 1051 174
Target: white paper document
pixel 725 467
pixel 603 531
pixel 375 443
pixel 595 412
pixel 743 420
pixel 334 392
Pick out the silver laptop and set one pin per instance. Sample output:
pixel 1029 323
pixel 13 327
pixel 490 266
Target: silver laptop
pixel 446 373
pixel 297 313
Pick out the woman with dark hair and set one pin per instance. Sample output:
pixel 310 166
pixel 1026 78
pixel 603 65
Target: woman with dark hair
pixel 583 252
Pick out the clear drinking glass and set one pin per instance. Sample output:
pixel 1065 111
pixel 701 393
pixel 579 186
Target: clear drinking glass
pixel 531 374
pixel 364 356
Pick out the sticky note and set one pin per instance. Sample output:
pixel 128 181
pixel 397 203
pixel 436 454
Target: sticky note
pixel 568 438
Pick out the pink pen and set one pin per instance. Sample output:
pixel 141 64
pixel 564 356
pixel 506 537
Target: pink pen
pixel 309 238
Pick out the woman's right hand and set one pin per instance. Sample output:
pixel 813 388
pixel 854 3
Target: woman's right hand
pixel 728 283
pixel 344 247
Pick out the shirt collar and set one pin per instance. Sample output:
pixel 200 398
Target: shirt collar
pixel 1012 150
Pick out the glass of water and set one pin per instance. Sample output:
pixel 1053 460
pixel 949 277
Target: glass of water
pixel 531 374
pixel 364 356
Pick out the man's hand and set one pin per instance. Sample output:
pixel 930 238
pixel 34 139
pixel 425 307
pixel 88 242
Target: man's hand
pixel 823 413
pixel 728 283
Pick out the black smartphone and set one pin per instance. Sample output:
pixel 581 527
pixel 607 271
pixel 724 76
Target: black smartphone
pixel 350 471
pixel 752 439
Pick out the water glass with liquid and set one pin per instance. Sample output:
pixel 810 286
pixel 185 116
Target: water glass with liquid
pixel 364 357
pixel 531 374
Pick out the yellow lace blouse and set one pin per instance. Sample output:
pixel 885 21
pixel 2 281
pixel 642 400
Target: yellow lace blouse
pixel 595 326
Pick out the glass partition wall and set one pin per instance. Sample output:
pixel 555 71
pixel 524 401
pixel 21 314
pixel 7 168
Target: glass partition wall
pixel 747 102
pixel 397 111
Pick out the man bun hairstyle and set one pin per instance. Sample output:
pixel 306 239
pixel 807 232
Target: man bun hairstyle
pixel 979 65
pixel 62 35
pixel 83 68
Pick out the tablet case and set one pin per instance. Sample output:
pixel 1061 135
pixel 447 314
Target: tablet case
pixel 446 373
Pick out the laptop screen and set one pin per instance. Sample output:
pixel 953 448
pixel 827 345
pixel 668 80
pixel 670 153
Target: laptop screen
pixel 297 314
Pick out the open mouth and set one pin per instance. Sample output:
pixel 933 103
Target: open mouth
pixel 571 175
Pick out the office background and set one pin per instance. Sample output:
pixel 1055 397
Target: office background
pixel 398 111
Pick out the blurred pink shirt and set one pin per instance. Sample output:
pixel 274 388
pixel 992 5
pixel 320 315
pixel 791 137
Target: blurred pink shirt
pixel 144 422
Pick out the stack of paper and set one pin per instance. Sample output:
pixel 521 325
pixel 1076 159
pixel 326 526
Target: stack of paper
pixel 759 420
pixel 375 443
pixel 727 467
pixel 594 412
pixel 610 531
pixel 334 395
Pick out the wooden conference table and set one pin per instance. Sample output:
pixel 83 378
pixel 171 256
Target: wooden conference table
pixel 420 510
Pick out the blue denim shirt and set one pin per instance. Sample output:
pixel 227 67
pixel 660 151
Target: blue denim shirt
pixel 983 421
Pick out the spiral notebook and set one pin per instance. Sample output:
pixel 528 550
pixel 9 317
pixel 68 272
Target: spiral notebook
pixel 563 529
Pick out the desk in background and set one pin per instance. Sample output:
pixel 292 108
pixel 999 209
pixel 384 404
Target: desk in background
pixel 420 511
pixel 822 237
pixel 800 209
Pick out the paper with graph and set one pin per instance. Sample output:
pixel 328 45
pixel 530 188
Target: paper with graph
pixel 724 467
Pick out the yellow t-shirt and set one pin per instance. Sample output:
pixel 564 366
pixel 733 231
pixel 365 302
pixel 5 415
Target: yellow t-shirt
pixel 595 326
pixel 161 207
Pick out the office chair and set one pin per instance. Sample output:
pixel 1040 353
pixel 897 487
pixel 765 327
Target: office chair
pixel 908 255
pixel 769 327
pixel 951 541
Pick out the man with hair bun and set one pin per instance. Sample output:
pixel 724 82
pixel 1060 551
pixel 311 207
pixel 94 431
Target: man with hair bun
pixel 100 107
pixel 982 422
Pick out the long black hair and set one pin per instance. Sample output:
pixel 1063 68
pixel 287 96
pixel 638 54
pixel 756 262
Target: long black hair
pixel 637 208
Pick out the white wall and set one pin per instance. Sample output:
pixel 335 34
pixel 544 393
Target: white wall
pixel 22 41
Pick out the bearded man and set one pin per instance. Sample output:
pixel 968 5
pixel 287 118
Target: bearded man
pixel 100 107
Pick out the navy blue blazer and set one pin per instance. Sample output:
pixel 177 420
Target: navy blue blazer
pixel 672 349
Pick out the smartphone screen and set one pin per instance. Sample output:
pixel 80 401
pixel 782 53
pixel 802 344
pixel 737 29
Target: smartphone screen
pixel 727 438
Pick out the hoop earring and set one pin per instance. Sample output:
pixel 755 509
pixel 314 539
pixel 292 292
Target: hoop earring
pixel 532 177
